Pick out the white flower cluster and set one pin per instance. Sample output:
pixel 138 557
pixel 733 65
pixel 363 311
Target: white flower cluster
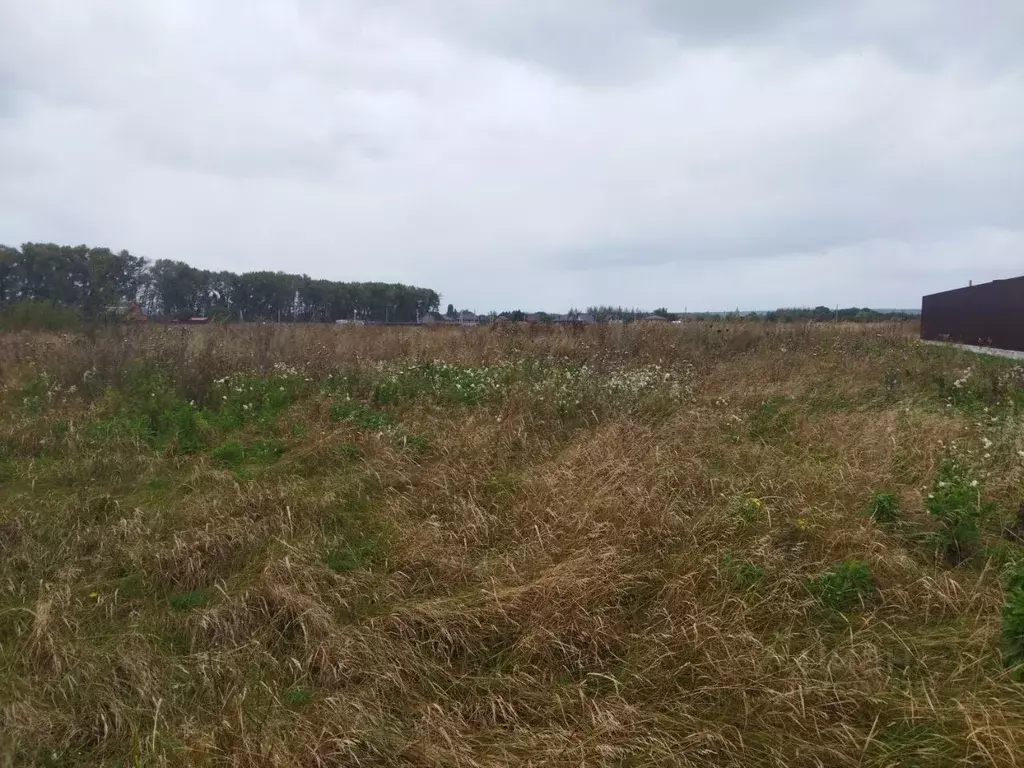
pixel 633 382
pixel 964 377
pixel 474 382
pixel 575 386
pixel 564 384
pixel 286 370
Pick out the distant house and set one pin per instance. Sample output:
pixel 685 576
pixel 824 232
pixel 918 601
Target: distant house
pixel 655 319
pixel 987 315
pixel 129 312
pixel 465 317
pixel 572 318
pixel 433 318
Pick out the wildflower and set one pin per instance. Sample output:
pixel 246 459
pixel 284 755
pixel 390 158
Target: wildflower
pixel 801 523
pixel 94 595
pixel 986 442
pixel 974 483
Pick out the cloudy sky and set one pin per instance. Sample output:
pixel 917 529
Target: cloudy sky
pixel 539 154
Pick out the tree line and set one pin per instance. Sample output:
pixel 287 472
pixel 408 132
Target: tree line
pixel 819 314
pixel 94 283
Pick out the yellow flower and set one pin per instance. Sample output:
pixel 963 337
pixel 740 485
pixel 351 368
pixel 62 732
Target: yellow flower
pixel 94 595
pixel 801 523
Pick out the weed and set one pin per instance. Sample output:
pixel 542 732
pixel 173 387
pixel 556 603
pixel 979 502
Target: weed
pixel 884 507
pixel 955 503
pixel 843 587
pixel 748 509
pixel 1013 625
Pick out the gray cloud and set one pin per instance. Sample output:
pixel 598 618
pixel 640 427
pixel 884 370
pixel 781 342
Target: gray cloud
pixel 520 152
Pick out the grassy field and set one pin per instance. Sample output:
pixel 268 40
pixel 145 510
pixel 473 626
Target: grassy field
pixel 709 544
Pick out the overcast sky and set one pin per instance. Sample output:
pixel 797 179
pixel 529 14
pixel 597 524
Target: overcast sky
pixel 538 154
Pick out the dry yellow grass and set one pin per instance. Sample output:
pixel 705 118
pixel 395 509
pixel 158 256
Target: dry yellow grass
pixel 593 561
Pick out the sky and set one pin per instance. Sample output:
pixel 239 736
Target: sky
pixel 533 154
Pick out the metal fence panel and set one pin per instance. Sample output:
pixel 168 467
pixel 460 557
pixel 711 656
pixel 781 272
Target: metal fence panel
pixel 989 315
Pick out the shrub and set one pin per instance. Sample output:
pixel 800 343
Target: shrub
pixel 843 587
pixel 884 507
pixel 39 316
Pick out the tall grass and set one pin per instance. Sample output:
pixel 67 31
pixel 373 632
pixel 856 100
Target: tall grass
pixel 277 545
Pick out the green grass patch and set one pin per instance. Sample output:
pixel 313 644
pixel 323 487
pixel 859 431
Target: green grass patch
pixel 361 416
pixel 844 587
pixel 353 555
pixel 193 598
pixel 916 744
pixel 298 697
pixel 235 454
pixel 772 420
pixel 243 399
pixel 742 575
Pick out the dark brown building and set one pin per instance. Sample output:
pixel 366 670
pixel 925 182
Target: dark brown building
pixel 989 315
